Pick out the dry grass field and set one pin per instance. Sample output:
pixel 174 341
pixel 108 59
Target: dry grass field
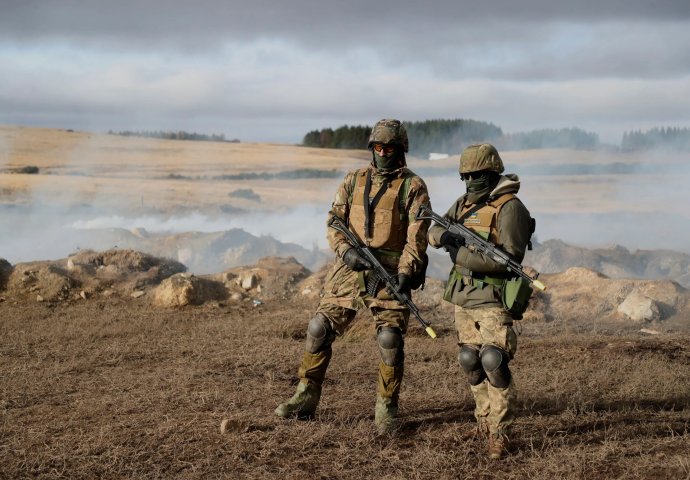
pixel 113 389
pixel 81 167
pixel 134 173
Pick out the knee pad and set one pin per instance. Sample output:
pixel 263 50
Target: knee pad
pixel 391 346
pixel 495 363
pixel 471 364
pixel 320 334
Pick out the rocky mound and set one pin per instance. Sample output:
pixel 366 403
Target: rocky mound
pixel 578 295
pixel 203 253
pixel 46 281
pixel 5 271
pixel 616 262
pixel 184 289
pixel 270 279
pixel 588 297
pixel 88 273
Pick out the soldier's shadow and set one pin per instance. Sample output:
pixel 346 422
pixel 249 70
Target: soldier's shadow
pixel 529 406
pixel 417 420
pixel 603 415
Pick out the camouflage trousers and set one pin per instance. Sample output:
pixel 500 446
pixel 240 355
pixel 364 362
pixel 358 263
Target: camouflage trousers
pixel 341 317
pixel 494 406
pixel 390 377
pixel 343 296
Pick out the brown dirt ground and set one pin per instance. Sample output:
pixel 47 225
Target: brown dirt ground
pixel 111 388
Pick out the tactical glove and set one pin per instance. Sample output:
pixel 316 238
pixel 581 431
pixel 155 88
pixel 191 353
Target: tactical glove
pixel 403 284
pixel 452 244
pixel 355 261
pixel 451 240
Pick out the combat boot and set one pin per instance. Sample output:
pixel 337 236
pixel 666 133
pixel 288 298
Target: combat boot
pixel 498 446
pixel 385 415
pixel 302 404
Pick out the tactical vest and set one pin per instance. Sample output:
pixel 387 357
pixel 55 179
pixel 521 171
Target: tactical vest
pixel 388 225
pixel 484 222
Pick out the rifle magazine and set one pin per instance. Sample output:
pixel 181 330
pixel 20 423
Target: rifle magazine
pixel 372 284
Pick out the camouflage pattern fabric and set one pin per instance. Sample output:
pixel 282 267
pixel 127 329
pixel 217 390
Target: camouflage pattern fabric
pixel 512 233
pixel 389 131
pixel 410 260
pixel 494 407
pixel 480 157
pixel 389 377
pixel 344 290
pixel 341 317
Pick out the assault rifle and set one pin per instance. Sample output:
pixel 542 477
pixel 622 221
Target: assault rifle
pixel 477 244
pixel 379 270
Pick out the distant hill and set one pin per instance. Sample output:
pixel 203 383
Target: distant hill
pixel 616 261
pixel 202 252
pixel 554 256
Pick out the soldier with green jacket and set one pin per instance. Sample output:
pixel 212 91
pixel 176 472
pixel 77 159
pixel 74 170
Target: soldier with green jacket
pixel 486 337
pixel 379 203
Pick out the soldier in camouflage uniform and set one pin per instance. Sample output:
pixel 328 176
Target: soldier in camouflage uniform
pixel 380 204
pixel 485 334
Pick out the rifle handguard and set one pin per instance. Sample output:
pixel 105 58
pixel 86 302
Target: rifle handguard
pixel 425 213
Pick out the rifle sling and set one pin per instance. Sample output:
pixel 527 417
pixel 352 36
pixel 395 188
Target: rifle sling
pixel 370 206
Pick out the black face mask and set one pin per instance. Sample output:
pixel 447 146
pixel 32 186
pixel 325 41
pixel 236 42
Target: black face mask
pixel 477 182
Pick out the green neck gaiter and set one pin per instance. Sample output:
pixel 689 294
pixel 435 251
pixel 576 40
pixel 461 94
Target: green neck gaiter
pixel 481 187
pixel 388 163
pixel 477 185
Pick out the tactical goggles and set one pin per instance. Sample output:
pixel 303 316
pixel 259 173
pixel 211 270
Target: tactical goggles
pixel 384 149
pixel 474 175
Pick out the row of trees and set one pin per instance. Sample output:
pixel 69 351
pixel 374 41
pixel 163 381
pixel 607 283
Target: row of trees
pixel 451 136
pixel 342 137
pixel 669 138
pixel 549 138
pixel 444 136
pixel 168 135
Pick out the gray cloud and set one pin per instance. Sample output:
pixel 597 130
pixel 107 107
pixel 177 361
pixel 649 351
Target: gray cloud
pixel 395 28
pixel 217 19
pixel 269 70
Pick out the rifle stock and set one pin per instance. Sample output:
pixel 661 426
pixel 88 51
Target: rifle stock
pixel 474 241
pixel 391 283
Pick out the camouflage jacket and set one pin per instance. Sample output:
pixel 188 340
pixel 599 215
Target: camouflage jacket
pixel 416 242
pixel 341 286
pixel 513 233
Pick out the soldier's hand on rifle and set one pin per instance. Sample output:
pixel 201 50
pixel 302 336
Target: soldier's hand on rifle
pixel 355 261
pixel 450 240
pixel 452 244
pixel 403 284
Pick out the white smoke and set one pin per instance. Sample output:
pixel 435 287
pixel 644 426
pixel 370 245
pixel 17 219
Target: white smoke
pixel 304 225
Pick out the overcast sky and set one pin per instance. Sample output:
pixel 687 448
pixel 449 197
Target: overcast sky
pixel 261 70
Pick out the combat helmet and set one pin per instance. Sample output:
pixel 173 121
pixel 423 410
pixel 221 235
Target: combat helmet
pixel 483 156
pixel 389 131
